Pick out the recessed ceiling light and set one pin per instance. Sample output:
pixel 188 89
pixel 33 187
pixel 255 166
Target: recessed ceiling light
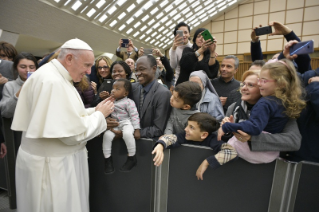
pixel 154 10
pixel 137 24
pixel 147 5
pixel 154 34
pixel 122 27
pixel 130 8
pixel 156 25
pixel 100 3
pixel 120 2
pixel 147 39
pixel 111 10
pixel 220 9
pixel 159 15
pixel 151 22
pixel 143 28
pixel 136 34
pixel 160 36
pixel 168 23
pixel 103 17
pixel 189 14
pixel 129 31
pixel 163 3
pixel 221 4
pixel 113 23
pixel 173 12
pixel 177 17
pixel 92 11
pixel 198 8
pixel 233 2
pixel 164 19
pixel 138 13
pixel 122 15
pixel 76 5
pixel 130 20
pixel 142 36
pixel 195 4
pixel 182 6
pixel 208 2
pixel 168 8
pixel 149 31
pixel 145 18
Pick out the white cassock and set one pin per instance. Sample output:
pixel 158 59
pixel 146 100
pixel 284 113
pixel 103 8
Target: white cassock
pixel 52 167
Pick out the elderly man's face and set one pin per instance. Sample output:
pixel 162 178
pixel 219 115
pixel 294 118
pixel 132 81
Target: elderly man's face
pixel 130 62
pixel 227 69
pixel 81 65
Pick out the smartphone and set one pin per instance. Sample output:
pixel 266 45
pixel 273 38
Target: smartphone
pixel 207 36
pixel 148 51
pixel 305 47
pixel 180 34
pixel 29 74
pixel 263 30
pixel 125 43
pixel 106 86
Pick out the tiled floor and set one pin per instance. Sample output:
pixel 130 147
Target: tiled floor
pixel 4 202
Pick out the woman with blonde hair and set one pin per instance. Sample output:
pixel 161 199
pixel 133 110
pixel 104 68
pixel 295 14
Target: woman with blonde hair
pixel 270 102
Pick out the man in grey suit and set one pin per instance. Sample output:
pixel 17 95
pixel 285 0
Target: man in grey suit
pixel 151 98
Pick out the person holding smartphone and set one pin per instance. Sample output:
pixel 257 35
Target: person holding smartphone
pixel 131 52
pixel 179 44
pixel 23 63
pixel 201 56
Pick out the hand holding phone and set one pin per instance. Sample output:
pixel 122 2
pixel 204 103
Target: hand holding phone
pixel 207 36
pixel 180 36
pixel 148 51
pixel 263 30
pixel 305 47
pixel 125 43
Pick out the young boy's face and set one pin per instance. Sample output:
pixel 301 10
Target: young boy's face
pixel 193 132
pixel 118 91
pixel 176 102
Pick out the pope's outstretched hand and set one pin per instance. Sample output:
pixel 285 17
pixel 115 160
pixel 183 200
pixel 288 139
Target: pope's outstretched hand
pixel 106 107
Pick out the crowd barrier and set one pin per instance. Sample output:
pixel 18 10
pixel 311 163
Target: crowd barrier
pixel 236 186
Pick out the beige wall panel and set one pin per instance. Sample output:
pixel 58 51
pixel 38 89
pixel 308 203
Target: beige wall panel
pixel 277 5
pixel 231 24
pixel 261 7
pixel 244 35
pixel 310 28
pixel 294 16
pixel 217 26
pixel 243 48
pixel 311 13
pixel 263 45
pixel 219 37
pixel 315 38
pixel 208 26
pixel 260 19
pixel 296 28
pixel 245 10
pixel 230 49
pixel 230 37
pixel 275 45
pixel 278 16
pixel 220 18
pixel 293 4
pixel 245 23
pixel 220 49
pixel 312 2
pixel 232 14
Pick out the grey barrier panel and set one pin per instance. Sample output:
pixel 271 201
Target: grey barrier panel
pixel 236 186
pixel 10 161
pixel 307 194
pixel 282 187
pixel 132 191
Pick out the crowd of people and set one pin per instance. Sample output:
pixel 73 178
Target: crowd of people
pixel 71 98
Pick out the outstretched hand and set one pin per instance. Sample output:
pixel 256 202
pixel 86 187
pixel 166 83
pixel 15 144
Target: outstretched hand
pixel 280 29
pixel 201 170
pixel 286 52
pixel 253 35
pixel 106 107
pixel 159 154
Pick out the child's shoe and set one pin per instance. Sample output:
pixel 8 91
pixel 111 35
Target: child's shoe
pixel 129 164
pixel 108 165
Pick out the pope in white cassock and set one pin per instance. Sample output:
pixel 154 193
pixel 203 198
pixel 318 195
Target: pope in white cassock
pixel 52 167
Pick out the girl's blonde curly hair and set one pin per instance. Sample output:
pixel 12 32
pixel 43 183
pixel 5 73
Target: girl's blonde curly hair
pixel 288 89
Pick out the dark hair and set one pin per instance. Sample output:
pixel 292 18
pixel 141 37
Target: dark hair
pixel 189 92
pixel 259 63
pixel 151 60
pixel 127 84
pixel 181 24
pixel 8 49
pixel 127 69
pixel 195 47
pixel 206 122
pixel 23 55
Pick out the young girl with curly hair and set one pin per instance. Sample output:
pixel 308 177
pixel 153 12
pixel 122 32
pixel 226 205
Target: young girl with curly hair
pixel 281 99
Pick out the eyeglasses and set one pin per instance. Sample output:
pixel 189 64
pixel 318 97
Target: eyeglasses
pixel 248 85
pixel 263 81
pixel 104 67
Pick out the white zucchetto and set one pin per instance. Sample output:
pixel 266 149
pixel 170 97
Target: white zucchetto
pixel 76 44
